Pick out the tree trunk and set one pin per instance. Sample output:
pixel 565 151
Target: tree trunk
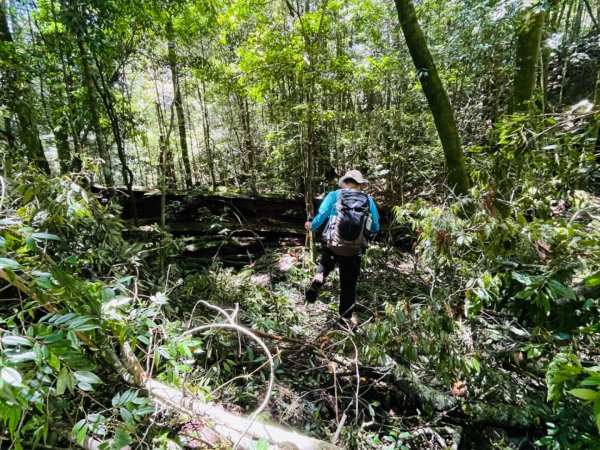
pixel 185 155
pixel 528 55
pixel 577 21
pixel 8 135
pixel 20 101
pixel 88 83
pixel 244 113
pixel 71 111
pixel 206 132
pixel 436 97
pixel 63 149
pixel 109 104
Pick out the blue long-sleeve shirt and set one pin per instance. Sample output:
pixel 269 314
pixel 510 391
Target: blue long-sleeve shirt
pixel 327 209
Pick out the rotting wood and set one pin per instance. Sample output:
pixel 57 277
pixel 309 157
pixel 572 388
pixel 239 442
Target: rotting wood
pixel 225 424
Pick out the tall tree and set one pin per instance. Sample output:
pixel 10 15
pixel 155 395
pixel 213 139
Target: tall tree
pixel 436 96
pixel 175 77
pixel 527 56
pixel 74 15
pixel 20 95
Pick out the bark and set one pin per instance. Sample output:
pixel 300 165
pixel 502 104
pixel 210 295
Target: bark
pixel 71 111
pixel 20 101
pixel 225 424
pixel 595 123
pixel 8 135
pixel 577 21
pixel 88 83
pixel 63 149
pixel 185 154
pixel 407 389
pixel 109 104
pixel 164 143
pixel 206 131
pixel 527 57
pixel 436 95
pixel 249 147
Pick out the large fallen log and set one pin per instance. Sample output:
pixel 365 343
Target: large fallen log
pixel 224 423
pixel 411 391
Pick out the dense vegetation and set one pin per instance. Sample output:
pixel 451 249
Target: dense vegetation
pixel 130 131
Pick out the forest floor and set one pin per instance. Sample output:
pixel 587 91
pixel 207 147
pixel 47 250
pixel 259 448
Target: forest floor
pixel 331 383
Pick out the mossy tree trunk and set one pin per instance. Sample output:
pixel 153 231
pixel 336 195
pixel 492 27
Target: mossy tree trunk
pixel 527 56
pixel 436 97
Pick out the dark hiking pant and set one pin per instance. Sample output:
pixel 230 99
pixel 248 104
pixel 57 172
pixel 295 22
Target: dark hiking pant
pixel 349 271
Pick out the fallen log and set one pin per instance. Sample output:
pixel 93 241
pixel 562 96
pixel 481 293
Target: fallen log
pixel 224 423
pixel 409 389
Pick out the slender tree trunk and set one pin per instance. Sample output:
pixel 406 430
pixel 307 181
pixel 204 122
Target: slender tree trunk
pixel 9 135
pixel 528 55
pixel 185 155
pixel 436 97
pixel 109 104
pixel 71 111
pixel 206 131
pixel 595 123
pixel 92 104
pixel 590 11
pixel 164 144
pixel 20 101
pixel 63 149
pixel 577 22
pixel 248 141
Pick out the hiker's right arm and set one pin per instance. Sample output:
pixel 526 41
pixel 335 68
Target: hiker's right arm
pixel 324 211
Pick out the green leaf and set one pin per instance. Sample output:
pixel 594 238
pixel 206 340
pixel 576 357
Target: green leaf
pixel 79 430
pixel 45 237
pixel 127 416
pixel 11 376
pixel 10 221
pixel 144 411
pixel 54 362
pixel 262 444
pixel 521 278
pixel 6 263
pixel 20 357
pixel 44 282
pixel 585 394
pixel 64 377
pixel 593 280
pixel 121 439
pixel 161 298
pixel 87 377
pixel 561 290
pixel 16 340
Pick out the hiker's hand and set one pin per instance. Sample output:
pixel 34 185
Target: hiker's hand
pixel 307 225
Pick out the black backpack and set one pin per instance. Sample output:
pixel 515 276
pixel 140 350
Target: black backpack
pixel 345 235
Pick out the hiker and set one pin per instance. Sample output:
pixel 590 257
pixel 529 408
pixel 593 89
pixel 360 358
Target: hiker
pixel 350 213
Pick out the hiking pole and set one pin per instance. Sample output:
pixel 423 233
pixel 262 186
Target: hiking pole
pixel 308 243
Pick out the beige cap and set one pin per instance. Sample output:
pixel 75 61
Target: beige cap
pixel 355 175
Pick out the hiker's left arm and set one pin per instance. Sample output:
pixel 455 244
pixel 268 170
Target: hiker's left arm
pixel 374 228
pixel 324 211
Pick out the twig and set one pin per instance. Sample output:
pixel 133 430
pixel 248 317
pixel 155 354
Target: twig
pixel 243 330
pixel 3 191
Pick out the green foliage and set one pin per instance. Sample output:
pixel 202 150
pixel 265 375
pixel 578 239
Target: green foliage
pixel 53 346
